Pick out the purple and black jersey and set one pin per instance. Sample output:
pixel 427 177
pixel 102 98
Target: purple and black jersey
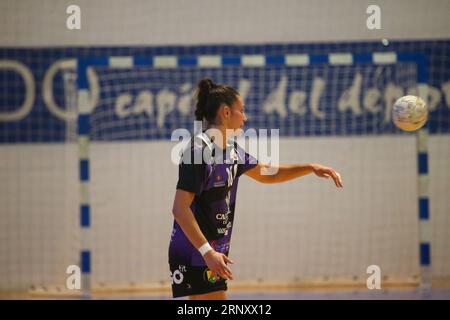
pixel 214 182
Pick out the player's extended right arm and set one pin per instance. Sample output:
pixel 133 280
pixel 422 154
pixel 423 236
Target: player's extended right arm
pixel 217 262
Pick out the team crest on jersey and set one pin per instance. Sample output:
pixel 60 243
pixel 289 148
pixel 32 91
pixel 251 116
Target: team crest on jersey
pixel 210 277
pixel 219 182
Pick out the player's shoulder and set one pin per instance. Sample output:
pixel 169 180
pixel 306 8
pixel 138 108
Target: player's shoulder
pixel 198 147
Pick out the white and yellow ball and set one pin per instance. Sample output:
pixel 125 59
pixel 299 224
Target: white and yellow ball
pixel 409 113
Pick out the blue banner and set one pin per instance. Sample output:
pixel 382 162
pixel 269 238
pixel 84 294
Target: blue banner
pixel 300 98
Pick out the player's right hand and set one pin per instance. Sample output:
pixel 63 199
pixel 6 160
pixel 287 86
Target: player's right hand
pixel 217 263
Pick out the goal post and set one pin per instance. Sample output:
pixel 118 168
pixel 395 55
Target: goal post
pixel 126 109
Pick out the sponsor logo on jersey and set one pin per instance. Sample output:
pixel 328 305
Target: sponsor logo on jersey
pixel 223 231
pixel 177 276
pixel 222 216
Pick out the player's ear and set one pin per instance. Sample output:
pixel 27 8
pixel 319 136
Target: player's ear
pixel 227 111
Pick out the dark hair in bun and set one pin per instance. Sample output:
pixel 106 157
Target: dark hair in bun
pixel 210 97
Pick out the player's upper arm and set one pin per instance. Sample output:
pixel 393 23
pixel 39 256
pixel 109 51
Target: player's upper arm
pixel 183 199
pixel 255 173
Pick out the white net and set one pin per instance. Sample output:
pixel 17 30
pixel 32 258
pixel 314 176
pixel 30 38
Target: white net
pixel 301 231
pixel 39 221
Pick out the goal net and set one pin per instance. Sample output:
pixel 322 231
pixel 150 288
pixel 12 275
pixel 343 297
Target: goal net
pixel 112 197
pixel 335 112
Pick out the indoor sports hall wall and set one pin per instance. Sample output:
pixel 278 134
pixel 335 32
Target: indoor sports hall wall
pixel 141 22
pixel 305 230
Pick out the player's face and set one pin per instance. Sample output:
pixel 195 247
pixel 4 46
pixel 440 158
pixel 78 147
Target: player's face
pixel 237 116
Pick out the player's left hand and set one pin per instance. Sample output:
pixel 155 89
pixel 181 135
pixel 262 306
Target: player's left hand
pixel 327 172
